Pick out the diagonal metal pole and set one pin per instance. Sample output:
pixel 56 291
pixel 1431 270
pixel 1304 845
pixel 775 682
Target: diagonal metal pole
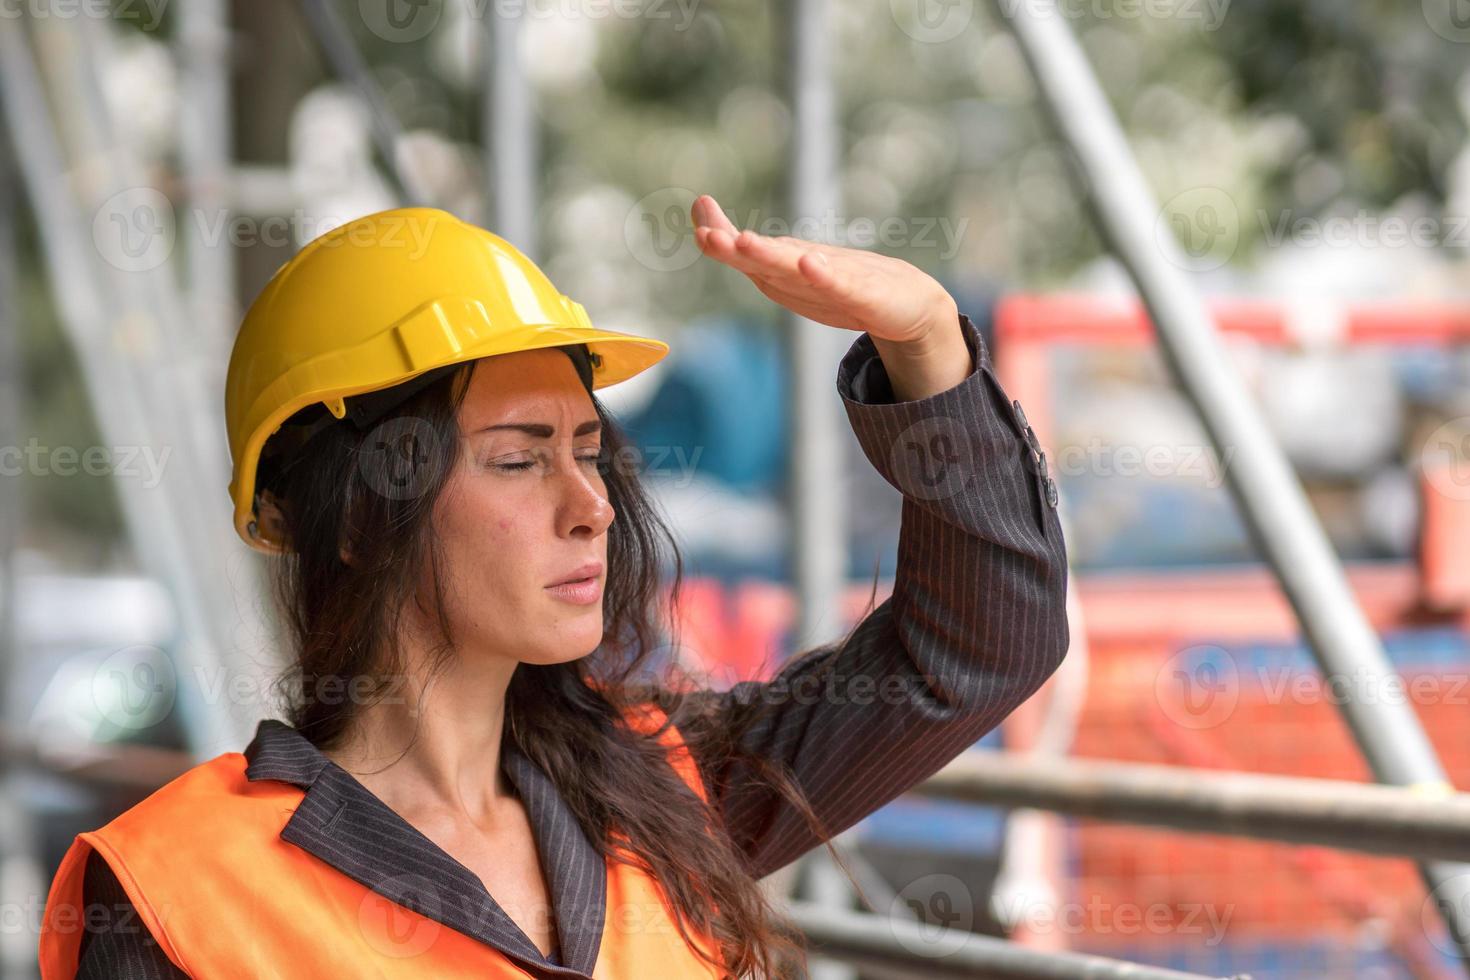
pixel 1270 498
pixel 186 410
pixel 351 67
pixel 121 415
pixel 111 317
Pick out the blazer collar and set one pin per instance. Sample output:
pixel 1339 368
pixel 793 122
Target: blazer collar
pixel 345 825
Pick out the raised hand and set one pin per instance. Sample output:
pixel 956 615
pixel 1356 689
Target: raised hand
pixel 913 321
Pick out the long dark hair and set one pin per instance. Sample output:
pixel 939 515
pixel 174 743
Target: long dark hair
pixel 367 496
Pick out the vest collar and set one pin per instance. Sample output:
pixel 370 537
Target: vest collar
pixel 345 825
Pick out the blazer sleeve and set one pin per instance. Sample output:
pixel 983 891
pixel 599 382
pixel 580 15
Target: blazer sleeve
pixel 117 945
pixel 975 624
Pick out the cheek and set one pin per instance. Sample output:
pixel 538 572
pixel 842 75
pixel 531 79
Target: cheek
pixel 497 523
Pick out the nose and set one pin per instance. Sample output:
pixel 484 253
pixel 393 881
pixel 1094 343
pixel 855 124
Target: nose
pixel 584 508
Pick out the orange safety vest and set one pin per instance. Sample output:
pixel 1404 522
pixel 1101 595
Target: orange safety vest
pixel 242 902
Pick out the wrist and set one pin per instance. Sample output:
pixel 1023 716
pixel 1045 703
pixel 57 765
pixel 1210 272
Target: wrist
pixel 935 361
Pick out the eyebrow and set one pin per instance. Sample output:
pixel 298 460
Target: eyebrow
pixel 541 430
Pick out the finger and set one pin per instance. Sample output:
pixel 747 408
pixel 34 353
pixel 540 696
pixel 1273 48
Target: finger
pixel 817 271
pixel 706 213
pixel 756 254
pixel 836 284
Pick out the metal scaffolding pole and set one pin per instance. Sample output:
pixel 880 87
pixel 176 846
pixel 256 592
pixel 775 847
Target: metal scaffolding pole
pixel 1267 491
pixel 1367 817
pixel 20 865
pixel 817 504
pixel 182 389
pixel 930 951
pixel 350 66
pixel 11 504
pixel 109 321
pixel 510 133
pixel 203 48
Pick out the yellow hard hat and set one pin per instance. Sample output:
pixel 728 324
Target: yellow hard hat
pixel 383 299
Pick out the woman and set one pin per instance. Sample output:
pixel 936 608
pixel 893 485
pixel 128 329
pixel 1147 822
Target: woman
pixel 479 777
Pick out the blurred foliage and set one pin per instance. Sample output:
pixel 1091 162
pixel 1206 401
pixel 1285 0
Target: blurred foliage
pixel 1286 107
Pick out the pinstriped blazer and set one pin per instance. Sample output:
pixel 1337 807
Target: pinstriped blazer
pixel 975 624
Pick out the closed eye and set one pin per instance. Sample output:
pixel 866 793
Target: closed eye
pixel 526 464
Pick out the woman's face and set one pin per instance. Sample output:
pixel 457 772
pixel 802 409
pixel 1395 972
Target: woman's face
pixel 525 508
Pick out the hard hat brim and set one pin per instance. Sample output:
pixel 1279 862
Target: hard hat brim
pixel 619 356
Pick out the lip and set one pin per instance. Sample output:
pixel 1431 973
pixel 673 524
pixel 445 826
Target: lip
pixel 582 587
pixel 593 569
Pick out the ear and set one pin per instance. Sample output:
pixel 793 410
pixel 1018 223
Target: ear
pixel 270 512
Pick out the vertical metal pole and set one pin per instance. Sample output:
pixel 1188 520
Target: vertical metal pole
pixel 11 504
pixel 510 133
pixel 818 506
pixel 20 870
pixel 1267 491
pixel 203 48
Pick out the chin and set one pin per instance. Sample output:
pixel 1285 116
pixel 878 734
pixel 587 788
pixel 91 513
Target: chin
pixel 565 655
pixel 571 641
